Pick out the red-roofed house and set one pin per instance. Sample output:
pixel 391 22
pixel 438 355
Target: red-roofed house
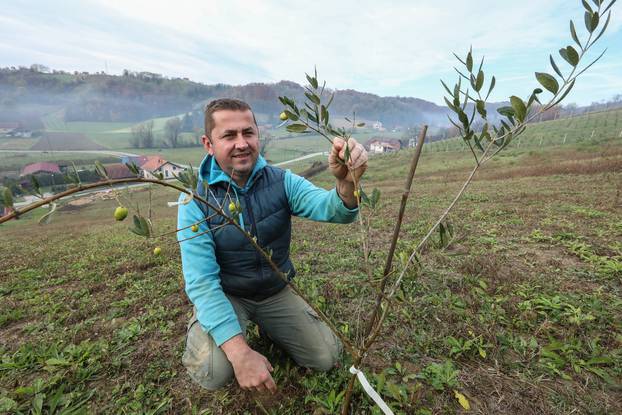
pixel 41 167
pixel 156 164
pixel 152 163
pixel 118 171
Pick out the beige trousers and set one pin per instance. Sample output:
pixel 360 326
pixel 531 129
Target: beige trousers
pixel 285 318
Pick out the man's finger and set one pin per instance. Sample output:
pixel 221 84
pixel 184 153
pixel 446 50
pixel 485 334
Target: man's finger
pixel 354 155
pixel 338 145
pixel 270 385
pixel 361 159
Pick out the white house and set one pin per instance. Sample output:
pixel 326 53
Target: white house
pixel 383 145
pixel 156 164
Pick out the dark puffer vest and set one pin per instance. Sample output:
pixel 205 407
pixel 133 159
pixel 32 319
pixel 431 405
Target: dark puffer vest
pixel 266 215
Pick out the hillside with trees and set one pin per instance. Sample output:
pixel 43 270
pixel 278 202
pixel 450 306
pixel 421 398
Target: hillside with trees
pixel 27 94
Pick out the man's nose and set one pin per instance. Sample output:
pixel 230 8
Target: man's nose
pixel 240 141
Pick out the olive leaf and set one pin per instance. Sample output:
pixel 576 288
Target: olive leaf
pixel 573 33
pixel 479 83
pixel 142 226
pixel 133 168
pixel 555 67
pixel 296 128
pixel 7 197
pixel 570 55
pixel 101 170
pixel 469 61
pixel 36 187
pixel 481 108
pixel 188 178
pixel 548 82
pixel 291 116
pixel 312 81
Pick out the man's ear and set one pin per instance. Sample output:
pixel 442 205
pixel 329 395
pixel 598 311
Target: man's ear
pixel 207 144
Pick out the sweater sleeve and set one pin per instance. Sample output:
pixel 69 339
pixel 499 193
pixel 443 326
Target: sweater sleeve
pixel 202 276
pixel 309 201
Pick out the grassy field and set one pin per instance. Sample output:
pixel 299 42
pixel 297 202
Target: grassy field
pixel 17 143
pixel 521 312
pixel 16 161
pixel 585 129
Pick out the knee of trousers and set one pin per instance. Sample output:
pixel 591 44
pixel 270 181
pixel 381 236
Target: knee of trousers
pixel 205 362
pixel 326 359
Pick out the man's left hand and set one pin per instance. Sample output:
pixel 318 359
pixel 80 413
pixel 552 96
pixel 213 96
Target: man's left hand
pixel 356 165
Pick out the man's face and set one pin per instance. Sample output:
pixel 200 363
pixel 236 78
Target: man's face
pixel 234 142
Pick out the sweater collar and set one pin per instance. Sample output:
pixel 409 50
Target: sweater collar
pixel 210 171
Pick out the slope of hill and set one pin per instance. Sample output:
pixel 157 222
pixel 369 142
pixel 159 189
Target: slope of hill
pixel 27 95
pixel 588 128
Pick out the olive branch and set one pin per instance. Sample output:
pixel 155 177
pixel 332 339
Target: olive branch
pixel 465 100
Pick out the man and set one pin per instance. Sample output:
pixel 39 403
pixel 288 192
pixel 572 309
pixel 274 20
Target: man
pixel 227 280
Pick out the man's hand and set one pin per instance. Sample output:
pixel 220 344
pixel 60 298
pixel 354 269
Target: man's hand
pixel 344 172
pixel 252 369
pixel 357 163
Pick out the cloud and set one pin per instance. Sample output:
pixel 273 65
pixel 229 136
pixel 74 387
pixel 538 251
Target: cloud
pixel 365 45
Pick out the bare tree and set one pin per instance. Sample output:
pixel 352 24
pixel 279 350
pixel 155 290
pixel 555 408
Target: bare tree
pixel 142 135
pixel 264 141
pixel 172 128
pixel 197 134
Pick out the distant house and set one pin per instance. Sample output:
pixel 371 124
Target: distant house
pixel 118 171
pixel 156 165
pixel 21 133
pixel 377 126
pixel 41 167
pixel 382 145
pixel 8 128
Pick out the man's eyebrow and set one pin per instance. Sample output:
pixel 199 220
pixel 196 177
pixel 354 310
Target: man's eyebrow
pixel 233 131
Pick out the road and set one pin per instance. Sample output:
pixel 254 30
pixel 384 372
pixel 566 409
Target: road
pixel 308 156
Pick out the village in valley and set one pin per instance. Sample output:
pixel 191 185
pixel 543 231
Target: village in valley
pixel 66 146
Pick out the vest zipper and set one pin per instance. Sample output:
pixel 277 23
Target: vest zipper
pixel 254 233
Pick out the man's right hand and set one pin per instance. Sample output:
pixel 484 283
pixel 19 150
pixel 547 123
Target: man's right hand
pixel 252 369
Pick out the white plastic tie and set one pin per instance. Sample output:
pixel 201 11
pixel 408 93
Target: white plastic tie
pixel 187 199
pixel 371 391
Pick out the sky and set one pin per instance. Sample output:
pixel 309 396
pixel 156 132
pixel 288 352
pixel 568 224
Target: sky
pixel 388 48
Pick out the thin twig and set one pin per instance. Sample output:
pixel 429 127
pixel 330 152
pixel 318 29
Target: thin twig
pixel 387 270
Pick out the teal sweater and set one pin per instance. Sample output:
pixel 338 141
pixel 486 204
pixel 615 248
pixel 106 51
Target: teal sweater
pixel 200 269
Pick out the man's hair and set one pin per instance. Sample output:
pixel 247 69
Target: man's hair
pixel 220 105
